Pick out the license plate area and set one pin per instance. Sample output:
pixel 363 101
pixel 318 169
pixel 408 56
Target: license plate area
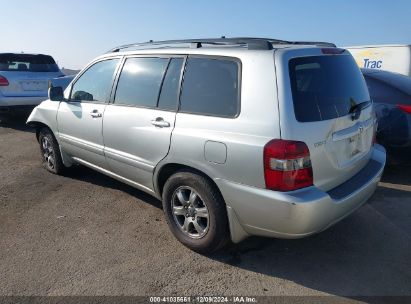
pixel 355 146
pixel 347 150
pixel 34 85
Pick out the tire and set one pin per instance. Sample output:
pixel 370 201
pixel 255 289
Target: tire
pixel 195 200
pixel 50 152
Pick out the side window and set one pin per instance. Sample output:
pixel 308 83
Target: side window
pixel 210 87
pixel 169 92
pixel 95 84
pixel 140 81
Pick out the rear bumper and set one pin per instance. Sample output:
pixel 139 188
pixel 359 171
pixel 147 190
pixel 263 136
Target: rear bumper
pixel 9 102
pixel 296 214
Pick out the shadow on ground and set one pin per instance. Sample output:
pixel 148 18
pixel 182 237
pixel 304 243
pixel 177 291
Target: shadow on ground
pixel 15 121
pixel 368 253
pixel 397 175
pixel 87 175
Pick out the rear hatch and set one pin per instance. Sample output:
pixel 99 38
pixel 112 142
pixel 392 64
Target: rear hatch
pixel 324 102
pixel 25 75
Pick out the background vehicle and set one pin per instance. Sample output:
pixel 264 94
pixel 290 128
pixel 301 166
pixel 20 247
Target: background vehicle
pixel 393 58
pixel 24 79
pixel 238 137
pixel 62 81
pixel 391 93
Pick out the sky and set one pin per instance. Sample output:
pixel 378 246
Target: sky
pixel 76 31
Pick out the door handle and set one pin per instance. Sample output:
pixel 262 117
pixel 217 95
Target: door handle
pixel 160 122
pixel 96 114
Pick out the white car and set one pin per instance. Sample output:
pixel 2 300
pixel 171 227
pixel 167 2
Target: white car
pixel 24 79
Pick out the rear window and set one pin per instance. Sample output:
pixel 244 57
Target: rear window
pixel 27 63
pixel 325 87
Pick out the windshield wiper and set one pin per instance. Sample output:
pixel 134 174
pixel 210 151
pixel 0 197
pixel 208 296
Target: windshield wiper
pixel 356 108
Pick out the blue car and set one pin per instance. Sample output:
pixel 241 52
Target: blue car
pixel 391 93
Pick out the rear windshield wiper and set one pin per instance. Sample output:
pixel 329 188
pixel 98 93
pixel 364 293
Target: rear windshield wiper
pixel 356 108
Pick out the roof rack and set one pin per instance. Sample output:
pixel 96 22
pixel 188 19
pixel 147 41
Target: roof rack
pixel 250 43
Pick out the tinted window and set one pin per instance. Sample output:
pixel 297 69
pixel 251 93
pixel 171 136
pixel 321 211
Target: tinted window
pixel 95 83
pixel 210 87
pixel 27 63
pixel 325 87
pixel 169 91
pixel 382 92
pixel 140 81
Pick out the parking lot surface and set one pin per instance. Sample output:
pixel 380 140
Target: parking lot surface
pixel 87 234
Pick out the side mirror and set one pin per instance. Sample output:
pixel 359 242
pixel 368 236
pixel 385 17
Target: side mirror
pixel 56 93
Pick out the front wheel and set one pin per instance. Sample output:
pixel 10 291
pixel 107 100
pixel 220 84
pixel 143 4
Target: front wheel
pixel 195 212
pixel 50 152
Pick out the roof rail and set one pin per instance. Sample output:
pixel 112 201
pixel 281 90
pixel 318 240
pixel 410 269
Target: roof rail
pixel 250 43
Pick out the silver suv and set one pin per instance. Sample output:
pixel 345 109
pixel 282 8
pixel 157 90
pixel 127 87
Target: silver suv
pixel 237 137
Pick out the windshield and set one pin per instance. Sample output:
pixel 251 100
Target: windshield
pixel 27 63
pixel 326 87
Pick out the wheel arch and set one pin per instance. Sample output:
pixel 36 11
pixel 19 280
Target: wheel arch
pixel 167 170
pixel 237 232
pixel 37 125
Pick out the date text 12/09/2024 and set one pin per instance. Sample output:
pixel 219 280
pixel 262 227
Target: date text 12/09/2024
pixel 203 299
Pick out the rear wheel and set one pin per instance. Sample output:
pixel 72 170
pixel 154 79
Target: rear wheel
pixel 195 212
pixel 50 152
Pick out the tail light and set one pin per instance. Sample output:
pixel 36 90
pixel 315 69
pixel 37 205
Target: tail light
pixel 287 165
pixel 3 81
pixel 405 108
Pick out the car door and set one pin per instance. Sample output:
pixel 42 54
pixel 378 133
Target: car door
pixel 138 123
pixel 80 118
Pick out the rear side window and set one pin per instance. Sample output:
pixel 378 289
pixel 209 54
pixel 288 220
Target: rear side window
pixel 325 87
pixel 27 63
pixel 140 81
pixel 381 91
pixel 211 87
pixel 95 84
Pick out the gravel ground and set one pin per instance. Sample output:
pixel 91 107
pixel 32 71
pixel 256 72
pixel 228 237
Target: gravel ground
pixel 87 234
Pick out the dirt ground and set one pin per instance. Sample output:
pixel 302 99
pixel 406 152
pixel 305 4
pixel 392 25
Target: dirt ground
pixel 87 234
